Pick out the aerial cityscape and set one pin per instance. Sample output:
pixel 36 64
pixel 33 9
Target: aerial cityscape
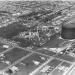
pixel 37 37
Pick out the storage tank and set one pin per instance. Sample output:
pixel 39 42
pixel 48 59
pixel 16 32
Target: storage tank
pixel 68 31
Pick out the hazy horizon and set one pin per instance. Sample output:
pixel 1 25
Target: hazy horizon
pixel 37 0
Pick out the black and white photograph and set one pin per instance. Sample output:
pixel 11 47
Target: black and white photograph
pixel 37 37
